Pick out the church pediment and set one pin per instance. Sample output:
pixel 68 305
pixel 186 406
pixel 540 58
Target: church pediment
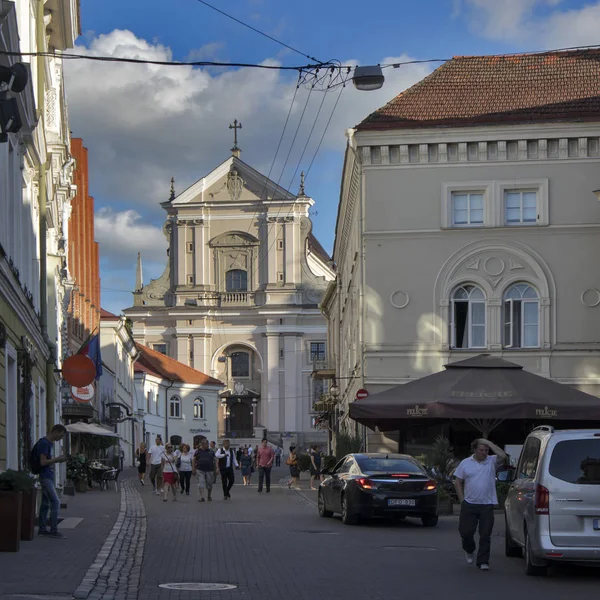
pixel 233 239
pixel 232 181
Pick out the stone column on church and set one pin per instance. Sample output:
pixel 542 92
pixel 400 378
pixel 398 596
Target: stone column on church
pixel 180 245
pixel 270 393
pixel 182 350
pixel 291 275
pixel 198 252
pixel 292 354
pixel 272 228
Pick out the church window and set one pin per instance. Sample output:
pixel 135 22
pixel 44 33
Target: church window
pixel 318 351
pixel 162 348
pixel 190 279
pixel 236 280
pixel 190 247
pixel 175 407
pixel 280 277
pixel 279 244
pixel 199 408
pixel 521 317
pixel 240 364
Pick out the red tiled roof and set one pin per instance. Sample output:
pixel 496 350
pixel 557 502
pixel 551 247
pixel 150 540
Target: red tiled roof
pixel 480 90
pixel 108 316
pixel 155 363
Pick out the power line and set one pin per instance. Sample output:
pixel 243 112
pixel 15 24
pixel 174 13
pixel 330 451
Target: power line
pixel 270 37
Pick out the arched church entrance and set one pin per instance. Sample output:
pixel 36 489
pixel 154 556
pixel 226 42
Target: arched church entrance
pixel 239 418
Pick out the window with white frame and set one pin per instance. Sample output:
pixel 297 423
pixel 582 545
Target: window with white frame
pixel 175 407
pixel 468 317
pixel 520 207
pixel 199 408
pixel 318 351
pixel 467 208
pixel 521 317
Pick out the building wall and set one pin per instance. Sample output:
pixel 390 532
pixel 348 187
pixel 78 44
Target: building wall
pixel 414 257
pixel 150 410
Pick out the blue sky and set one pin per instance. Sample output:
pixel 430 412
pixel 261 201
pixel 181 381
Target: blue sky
pixel 143 124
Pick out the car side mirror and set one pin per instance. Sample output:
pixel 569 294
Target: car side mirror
pixel 506 475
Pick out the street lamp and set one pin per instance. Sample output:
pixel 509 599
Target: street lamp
pixel 334 390
pixel 368 78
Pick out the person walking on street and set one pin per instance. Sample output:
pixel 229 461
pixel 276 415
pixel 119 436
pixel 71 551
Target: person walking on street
pixel 156 454
pixel 169 472
pixel 278 453
pixel 142 455
pixel 50 501
pixel 475 485
pixel 315 466
pixel 246 465
pixel 185 468
pixel 227 462
pixel 292 462
pixel 264 461
pixel 205 465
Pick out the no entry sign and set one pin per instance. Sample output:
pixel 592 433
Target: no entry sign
pixel 361 394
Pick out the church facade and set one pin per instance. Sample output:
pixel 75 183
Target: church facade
pixel 239 300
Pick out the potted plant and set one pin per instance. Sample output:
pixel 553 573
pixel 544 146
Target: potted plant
pixel 441 459
pixel 77 472
pixel 12 486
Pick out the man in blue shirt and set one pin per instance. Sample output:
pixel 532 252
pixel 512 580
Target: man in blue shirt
pixel 50 499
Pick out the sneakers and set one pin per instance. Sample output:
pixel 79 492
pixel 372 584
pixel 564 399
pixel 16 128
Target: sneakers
pixel 484 567
pixel 202 500
pixel 43 532
pixel 469 557
pixel 56 535
pixel 142 482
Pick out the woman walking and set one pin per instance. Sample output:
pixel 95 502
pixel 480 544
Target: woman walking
pixel 246 464
pixel 169 470
pixel 315 466
pixel 141 455
pixel 185 468
pixel 292 461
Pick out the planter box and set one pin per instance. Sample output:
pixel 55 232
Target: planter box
pixel 81 486
pixel 28 515
pixel 10 521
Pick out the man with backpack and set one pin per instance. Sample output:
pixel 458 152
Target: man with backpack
pixel 42 464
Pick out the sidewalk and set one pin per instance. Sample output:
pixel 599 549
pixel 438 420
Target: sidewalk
pixel 52 566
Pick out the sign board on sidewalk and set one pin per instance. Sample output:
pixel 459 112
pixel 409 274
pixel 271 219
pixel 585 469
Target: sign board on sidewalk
pixel 83 394
pixel 361 394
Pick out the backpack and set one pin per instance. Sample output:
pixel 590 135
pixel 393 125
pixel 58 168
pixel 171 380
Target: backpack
pixel 34 460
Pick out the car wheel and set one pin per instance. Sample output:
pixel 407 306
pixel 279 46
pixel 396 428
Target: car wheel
pixel 511 550
pixel 323 512
pixel 530 568
pixel 347 517
pixel 429 520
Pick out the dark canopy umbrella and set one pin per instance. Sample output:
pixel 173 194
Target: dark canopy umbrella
pixel 479 388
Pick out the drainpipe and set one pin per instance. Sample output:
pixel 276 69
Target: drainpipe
pixel 172 383
pixel 41 88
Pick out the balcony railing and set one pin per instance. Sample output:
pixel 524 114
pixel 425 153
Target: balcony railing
pixel 236 298
pixel 323 369
pixel 325 403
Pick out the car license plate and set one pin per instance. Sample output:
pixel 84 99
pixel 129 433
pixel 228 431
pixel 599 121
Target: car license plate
pixel 597 524
pixel 397 502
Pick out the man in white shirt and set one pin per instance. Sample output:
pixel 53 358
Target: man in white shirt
pixel 476 489
pixel 156 453
pixel 227 461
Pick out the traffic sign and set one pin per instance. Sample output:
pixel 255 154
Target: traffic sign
pixel 361 394
pixel 78 370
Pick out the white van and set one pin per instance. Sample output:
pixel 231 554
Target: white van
pixel 553 504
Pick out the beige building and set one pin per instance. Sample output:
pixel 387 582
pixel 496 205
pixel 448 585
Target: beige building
pixel 468 223
pixel 239 300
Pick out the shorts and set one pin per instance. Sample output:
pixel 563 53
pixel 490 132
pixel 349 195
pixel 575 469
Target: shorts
pixel 294 471
pixel 169 478
pixel 206 480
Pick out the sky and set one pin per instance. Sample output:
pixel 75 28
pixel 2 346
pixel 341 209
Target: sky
pixel 144 124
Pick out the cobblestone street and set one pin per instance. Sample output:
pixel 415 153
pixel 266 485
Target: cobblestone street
pixel 270 546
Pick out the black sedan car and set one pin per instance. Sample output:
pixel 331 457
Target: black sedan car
pixel 371 485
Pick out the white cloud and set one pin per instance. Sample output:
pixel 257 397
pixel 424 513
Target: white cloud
pixel 541 24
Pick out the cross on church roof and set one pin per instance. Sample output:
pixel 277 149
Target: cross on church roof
pixel 235 150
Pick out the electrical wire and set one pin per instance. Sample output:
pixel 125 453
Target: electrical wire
pixel 270 37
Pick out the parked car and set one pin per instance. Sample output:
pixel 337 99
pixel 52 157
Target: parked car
pixel 370 485
pixel 552 507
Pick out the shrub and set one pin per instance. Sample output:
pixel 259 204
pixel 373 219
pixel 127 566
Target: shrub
pixel 303 462
pixel 329 462
pixel 441 458
pixel 18 481
pixel 77 467
pixel 346 443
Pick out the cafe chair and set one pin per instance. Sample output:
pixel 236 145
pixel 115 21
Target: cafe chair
pixel 109 476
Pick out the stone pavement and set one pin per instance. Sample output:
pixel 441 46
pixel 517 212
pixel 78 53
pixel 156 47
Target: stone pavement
pixel 46 565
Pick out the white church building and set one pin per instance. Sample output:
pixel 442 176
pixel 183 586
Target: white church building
pixel 239 300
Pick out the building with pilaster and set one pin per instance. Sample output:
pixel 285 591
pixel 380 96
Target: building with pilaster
pixel 239 300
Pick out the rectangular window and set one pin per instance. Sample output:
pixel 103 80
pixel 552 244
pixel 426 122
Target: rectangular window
pixel 520 207
pixel 576 461
pixel 413 153
pixel 149 402
pixel 467 208
pixel 375 155
pixel 175 408
pixel 318 351
pixel 190 247
pixel 521 323
pixel 279 244
pixel 190 279
pixel 394 154
pixel 280 277
pixel 240 364
pixel 553 148
pixel 573 147
pixel 532 149
pixel 162 348
pixel 452 152
pixel 432 152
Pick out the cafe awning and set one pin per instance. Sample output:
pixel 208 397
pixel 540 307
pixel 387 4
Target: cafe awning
pixel 482 387
pixel 90 429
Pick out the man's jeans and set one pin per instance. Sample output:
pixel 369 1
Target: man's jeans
pixel 49 501
pixel 156 474
pixel 227 479
pixel 264 473
pixel 470 516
